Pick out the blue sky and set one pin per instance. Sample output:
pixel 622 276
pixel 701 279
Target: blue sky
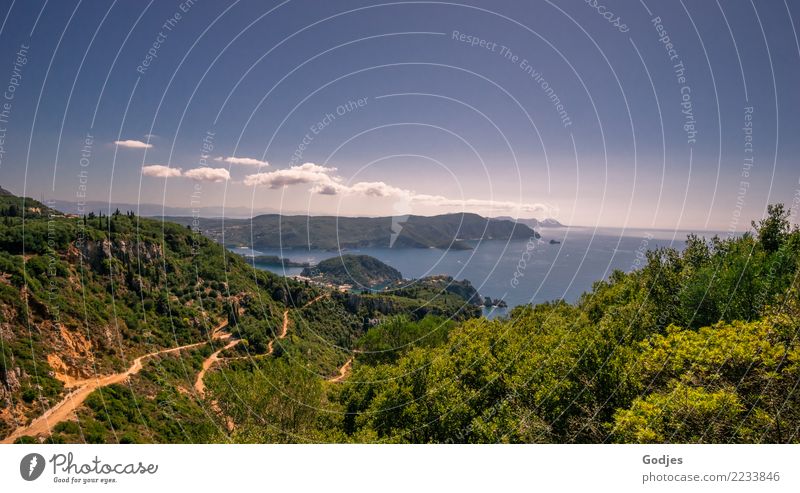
pixel 409 107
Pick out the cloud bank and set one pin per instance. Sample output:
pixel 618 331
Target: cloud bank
pixel 324 181
pixel 320 177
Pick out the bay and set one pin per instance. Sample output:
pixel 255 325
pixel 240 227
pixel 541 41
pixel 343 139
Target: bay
pixel 519 271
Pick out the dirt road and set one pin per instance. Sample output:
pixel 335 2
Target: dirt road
pixel 82 388
pixel 62 411
pixel 284 331
pixel 343 371
pixel 199 385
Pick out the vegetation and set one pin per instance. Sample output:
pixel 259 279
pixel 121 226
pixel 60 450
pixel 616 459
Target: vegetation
pixel 699 345
pixel 82 296
pixel 362 271
pixel 337 233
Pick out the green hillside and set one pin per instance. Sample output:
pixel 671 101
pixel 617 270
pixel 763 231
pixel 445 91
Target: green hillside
pixel 82 297
pixel 334 233
pixel 13 206
pixel 358 270
pixel 697 346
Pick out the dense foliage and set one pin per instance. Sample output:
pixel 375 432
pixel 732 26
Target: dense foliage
pixel 699 345
pixel 84 296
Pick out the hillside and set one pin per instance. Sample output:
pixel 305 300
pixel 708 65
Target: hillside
pixel 13 206
pixel 357 270
pixel 698 346
pixel 273 231
pixel 132 316
pixel 93 294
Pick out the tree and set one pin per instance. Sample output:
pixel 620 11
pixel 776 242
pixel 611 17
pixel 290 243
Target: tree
pixel 773 229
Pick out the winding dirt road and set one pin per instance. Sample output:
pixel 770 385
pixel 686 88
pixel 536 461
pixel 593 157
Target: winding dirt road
pixel 282 335
pixel 199 385
pixel 83 388
pixel 62 411
pixel 343 371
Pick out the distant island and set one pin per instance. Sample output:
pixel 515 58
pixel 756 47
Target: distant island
pixel 348 272
pixel 446 231
pixel 356 270
pixel 533 222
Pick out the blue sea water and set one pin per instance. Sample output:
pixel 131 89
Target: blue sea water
pixel 519 271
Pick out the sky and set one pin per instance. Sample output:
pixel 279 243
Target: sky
pixel 637 114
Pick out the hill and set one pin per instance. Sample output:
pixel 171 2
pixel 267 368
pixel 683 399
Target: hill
pixel 13 206
pixel 358 270
pixel 697 346
pixel 274 231
pixel 85 297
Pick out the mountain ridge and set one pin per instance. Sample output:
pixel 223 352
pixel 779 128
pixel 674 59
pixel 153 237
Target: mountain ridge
pixel 444 231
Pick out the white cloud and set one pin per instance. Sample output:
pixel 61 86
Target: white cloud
pixel 208 174
pixel 377 189
pixel 133 144
pixel 160 171
pixel 243 161
pixel 308 173
pixel 325 182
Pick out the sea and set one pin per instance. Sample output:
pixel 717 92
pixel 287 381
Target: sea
pixel 561 265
